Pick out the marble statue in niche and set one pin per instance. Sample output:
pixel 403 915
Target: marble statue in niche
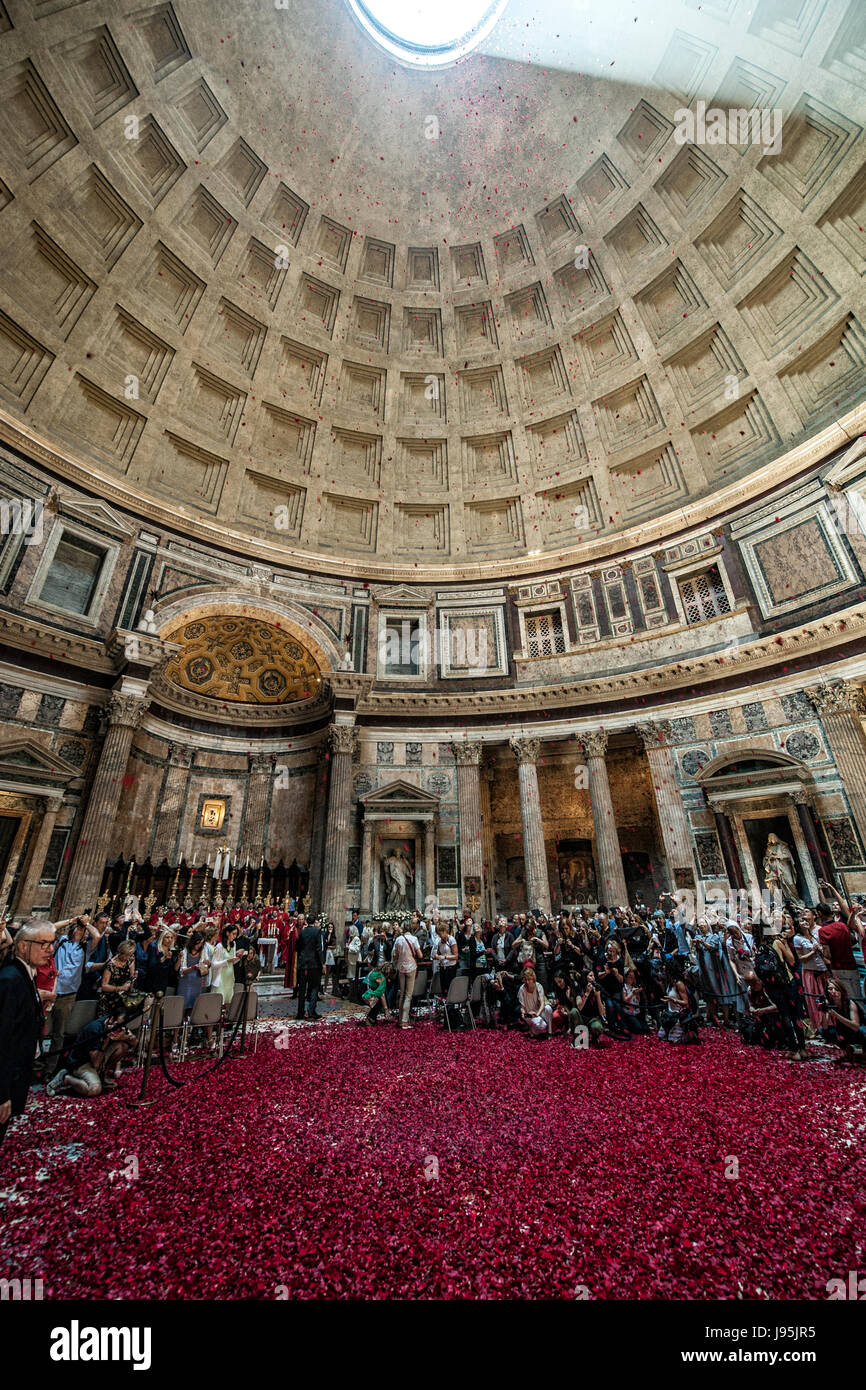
pixel 779 870
pixel 399 874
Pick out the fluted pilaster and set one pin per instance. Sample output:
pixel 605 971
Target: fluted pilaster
pixel 96 841
pixel 526 751
pixel 841 705
pixel 612 889
pixel 488 844
pixel 36 856
pixel 171 803
pixel 255 828
pixel 468 759
pixel 343 741
pixel 676 836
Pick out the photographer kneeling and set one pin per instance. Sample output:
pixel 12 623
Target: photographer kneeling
pixel 98 1048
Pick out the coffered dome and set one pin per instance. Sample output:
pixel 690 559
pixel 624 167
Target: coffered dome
pixel 267 284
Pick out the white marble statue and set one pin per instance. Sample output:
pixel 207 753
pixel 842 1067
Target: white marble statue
pixel 779 870
pixel 399 874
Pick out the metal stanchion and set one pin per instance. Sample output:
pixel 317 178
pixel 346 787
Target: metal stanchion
pixel 155 1017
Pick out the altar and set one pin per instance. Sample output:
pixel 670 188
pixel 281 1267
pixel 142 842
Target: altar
pixel 398 850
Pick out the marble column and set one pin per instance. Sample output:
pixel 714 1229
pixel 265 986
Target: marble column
pixel 755 885
pixel 611 890
pixel 171 803
pixel 488 843
pixel 730 854
pixel 319 816
pixel 97 841
pixel 468 759
pixel 367 869
pixel 429 864
pixel 807 868
pixel 821 863
pixel 255 828
pixel 840 706
pixel 526 752
pixel 343 741
pixel 676 836
pixel 36 855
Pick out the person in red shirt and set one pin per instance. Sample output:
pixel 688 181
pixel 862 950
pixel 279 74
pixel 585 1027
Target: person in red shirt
pixel 45 979
pixel 835 938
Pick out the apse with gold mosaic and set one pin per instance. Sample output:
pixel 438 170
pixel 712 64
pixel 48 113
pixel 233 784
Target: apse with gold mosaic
pixel 242 660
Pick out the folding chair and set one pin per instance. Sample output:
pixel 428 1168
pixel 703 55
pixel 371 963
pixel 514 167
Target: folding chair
pixel 458 996
pixel 83 1011
pixel 234 1009
pixel 206 1012
pixel 419 989
pixel 477 996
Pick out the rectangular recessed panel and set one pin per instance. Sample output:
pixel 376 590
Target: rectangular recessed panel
pixel 737 239
pixel 647 485
pixel 557 444
pixel 284 435
pixel 706 369
pixel 785 305
pixel 421 529
pixel 23 363
pixel 186 472
pixel 494 527
pixel 580 284
pixel 422 466
pixel 92 62
pixel 628 415
pixel 171 286
pixel 32 122
pixel 669 302
pixel 815 140
pixel 102 425
pixel 831 372
pixel 48 283
pixel 349 523
pixel 272 507
pixel 302 371
pixel 422 396
pixel 736 439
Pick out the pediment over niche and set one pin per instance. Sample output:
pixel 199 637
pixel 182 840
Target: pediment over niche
pixel 28 764
pixel 399 794
pixel 400 597
pixel 96 514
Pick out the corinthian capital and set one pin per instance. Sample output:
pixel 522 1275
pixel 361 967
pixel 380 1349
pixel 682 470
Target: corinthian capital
pixel 126 709
pixel 180 755
pixel 526 750
pixel 838 697
pixel 343 738
pixel 594 743
pixel 467 754
pixel 261 763
pixel 655 733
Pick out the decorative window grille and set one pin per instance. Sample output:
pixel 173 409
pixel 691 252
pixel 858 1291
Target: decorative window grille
pixel 704 596
pixel 544 634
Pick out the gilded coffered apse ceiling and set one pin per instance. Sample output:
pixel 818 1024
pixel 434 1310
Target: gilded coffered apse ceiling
pixel 242 661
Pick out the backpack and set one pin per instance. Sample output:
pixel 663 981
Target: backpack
pixel 768 967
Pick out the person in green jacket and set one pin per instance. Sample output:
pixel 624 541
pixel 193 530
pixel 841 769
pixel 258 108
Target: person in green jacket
pixel 374 995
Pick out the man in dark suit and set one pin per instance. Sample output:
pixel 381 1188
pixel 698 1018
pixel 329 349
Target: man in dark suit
pixel 310 963
pixel 21 1017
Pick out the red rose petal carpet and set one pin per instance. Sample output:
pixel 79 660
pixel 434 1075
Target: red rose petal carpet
pixel 373 1163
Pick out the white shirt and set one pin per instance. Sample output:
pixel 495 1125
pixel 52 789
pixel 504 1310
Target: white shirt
pixel 403 955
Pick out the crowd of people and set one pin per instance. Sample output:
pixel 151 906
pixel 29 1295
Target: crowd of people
pixel 590 975
pixel 612 974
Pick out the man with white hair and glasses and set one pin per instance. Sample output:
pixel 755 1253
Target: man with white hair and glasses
pixel 21 1016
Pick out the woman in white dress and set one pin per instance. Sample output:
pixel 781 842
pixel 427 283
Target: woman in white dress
pixel 222 972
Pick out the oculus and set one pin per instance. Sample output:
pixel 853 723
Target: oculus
pixel 427 33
